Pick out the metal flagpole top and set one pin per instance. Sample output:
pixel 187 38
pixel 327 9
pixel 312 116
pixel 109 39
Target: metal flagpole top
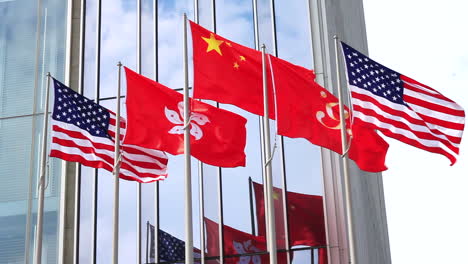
pixel 347 184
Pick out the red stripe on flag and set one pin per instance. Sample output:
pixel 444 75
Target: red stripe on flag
pixel 403 126
pixel 77 158
pixel 432 106
pixel 414 143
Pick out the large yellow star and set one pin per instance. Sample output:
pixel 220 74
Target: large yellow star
pixel 213 44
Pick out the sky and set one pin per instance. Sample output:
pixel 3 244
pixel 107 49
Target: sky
pixel 425 197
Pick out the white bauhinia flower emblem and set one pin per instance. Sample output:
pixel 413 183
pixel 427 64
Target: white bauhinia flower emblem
pixel 196 120
pixel 247 247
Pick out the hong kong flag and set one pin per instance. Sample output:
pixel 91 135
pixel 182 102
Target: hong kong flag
pixel 155 120
pixel 227 72
pixel 237 242
pixel 307 110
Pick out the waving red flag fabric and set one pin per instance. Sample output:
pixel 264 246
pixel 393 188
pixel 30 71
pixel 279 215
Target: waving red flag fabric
pixel 307 110
pixel 305 216
pixel 155 120
pixel 237 242
pixel 227 72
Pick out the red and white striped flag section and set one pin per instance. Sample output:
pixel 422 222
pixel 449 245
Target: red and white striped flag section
pixel 403 108
pixel 84 132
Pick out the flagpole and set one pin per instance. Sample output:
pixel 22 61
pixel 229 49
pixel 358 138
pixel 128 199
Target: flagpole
pixel 219 170
pixel 138 225
pixel 188 176
pixel 156 185
pixel 267 164
pixel 349 209
pixel 115 242
pixel 260 118
pixel 76 230
pixel 147 241
pixel 97 84
pixel 281 148
pixel 201 180
pixel 41 183
pixel 252 220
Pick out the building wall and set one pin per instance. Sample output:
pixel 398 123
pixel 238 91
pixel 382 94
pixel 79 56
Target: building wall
pixel 32 43
pixel 345 18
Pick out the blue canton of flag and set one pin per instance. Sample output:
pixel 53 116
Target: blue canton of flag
pixel 73 108
pixel 372 76
pixel 170 248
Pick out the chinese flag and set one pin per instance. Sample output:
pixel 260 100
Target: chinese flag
pixel 227 72
pixel 305 214
pixel 155 120
pixel 237 242
pixel 305 217
pixel 307 110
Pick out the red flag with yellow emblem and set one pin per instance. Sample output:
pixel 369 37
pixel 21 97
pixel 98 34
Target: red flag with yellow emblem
pixel 227 72
pixel 307 110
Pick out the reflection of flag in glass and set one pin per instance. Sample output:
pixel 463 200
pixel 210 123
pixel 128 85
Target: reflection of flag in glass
pixel 84 132
pixel 237 242
pixel 170 248
pixel 305 217
pixel 402 108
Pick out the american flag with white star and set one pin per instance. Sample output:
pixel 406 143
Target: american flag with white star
pixel 403 108
pixel 170 248
pixel 84 132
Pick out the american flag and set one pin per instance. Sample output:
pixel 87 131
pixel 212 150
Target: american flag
pixel 171 249
pixel 403 108
pixel 84 132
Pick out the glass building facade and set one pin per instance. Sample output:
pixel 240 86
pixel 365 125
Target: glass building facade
pixel 32 43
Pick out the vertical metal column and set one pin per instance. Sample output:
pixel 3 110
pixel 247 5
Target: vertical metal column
pixel 260 118
pixel 347 184
pixel 281 146
pixel 76 236
pixel 97 95
pixel 188 165
pixel 41 183
pixel 219 170
pixel 115 241
pixel 252 218
pixel 271 239
pixel 156 185
pixel 33 138
pixel 138 225
pixel 201 189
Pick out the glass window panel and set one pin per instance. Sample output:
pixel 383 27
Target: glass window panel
pixel 15 163
pixel 17 57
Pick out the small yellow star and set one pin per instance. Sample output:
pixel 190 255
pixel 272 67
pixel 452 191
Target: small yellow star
pixel 213 44
pixel 236 65
pixel 276 195
pixel 242 58
pixel 229 44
